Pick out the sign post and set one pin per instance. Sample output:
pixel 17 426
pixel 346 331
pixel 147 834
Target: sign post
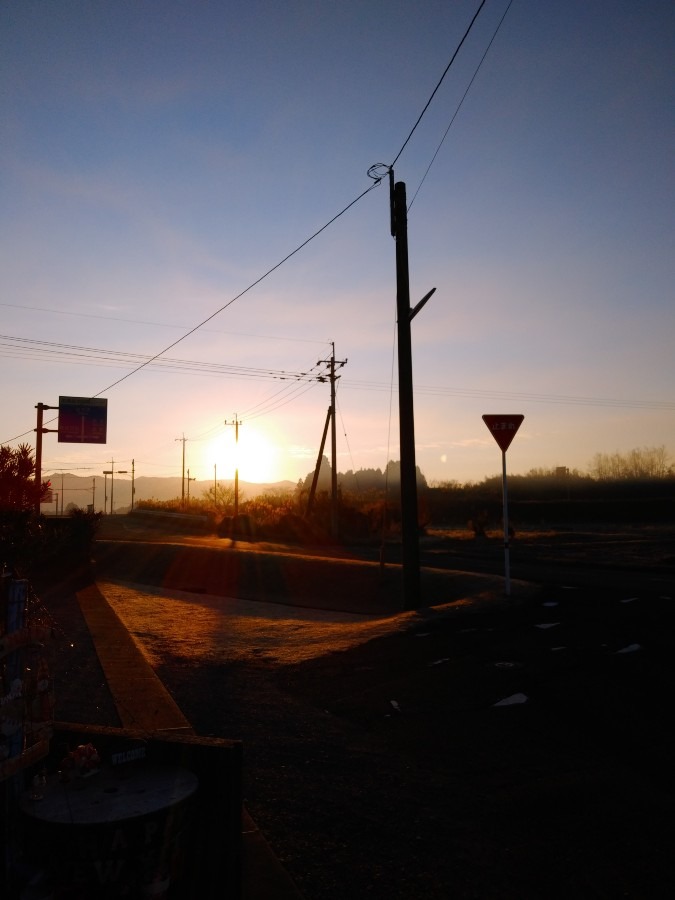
pixel 82 420
pixel 503 428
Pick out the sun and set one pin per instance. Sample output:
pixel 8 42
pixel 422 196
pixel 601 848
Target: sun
pixel 255 455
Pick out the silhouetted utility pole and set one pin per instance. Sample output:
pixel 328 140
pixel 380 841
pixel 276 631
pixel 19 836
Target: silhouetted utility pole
pixel 188 484
pixel 41 407
pixel 332 377
pixel 333 445
pixel 133 484
pixel 182 483
pixel 111 472
pixel 409 513
pixel 236 424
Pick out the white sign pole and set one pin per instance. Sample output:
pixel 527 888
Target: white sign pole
pixel 503 428
pixel 505 503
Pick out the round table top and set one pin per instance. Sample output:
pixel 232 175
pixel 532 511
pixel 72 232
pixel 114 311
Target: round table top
pixel 110 796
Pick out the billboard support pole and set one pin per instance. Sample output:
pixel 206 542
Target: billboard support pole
pixel 41 407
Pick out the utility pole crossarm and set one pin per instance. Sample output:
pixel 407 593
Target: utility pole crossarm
pixel 416 309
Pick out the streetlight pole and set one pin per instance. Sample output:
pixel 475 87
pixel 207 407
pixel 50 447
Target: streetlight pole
pixel 111 472
pixel 119 472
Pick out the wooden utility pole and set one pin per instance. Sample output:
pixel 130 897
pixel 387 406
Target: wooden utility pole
pixel 409 512
pixel 333 445
pixel 182 483
pixel 334 526
pixel 188 485
pixel 236 424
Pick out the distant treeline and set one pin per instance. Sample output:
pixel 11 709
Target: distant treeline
pixel 554 497
pixel 367 498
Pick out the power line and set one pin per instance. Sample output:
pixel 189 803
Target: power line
pixel 439 390
pixel 241 293
pixel 263 407
pixel 63 312
pixel 27 348
pixel 461 102
pixel 433 93
pixel 376 181
pixel 285 402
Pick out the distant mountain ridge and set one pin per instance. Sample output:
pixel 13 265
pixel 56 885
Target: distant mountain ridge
pixel 84 490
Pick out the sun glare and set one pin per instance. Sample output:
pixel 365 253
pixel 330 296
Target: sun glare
pixel 255 455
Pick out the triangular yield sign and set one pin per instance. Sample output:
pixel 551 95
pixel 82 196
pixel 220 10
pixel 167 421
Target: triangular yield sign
pixel 503 427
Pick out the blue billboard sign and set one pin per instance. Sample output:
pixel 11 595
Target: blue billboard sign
pixel 83 420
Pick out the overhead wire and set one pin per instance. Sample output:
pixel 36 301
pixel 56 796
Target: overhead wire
pixel 349 449
pixel 156 356
pixel 488 394
pixel 375 169
pixel 440 82
pixel 28 348
pixel 460 104
pixel 63 312
pixel 183 365
pixel 243 292
pixel 255 411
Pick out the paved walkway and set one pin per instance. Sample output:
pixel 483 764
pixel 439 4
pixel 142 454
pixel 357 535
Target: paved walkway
pixel 144 703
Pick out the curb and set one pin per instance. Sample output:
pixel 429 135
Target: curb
pixel 143 703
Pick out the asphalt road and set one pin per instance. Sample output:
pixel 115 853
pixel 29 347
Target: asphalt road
pixel 484 749
pixel 478 749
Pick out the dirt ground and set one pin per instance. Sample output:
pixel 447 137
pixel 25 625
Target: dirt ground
pixel 519 750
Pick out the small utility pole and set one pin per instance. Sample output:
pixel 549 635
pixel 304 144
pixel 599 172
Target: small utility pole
pixel 333 445
pixel 111 472
pixel 182 483
pixel 133 483
pixel 188 485
pixel 236 424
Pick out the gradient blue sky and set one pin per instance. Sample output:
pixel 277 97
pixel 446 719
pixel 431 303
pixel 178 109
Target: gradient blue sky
pixel 157 158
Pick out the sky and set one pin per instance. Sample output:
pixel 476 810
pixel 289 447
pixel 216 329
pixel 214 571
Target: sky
pixel 165 168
